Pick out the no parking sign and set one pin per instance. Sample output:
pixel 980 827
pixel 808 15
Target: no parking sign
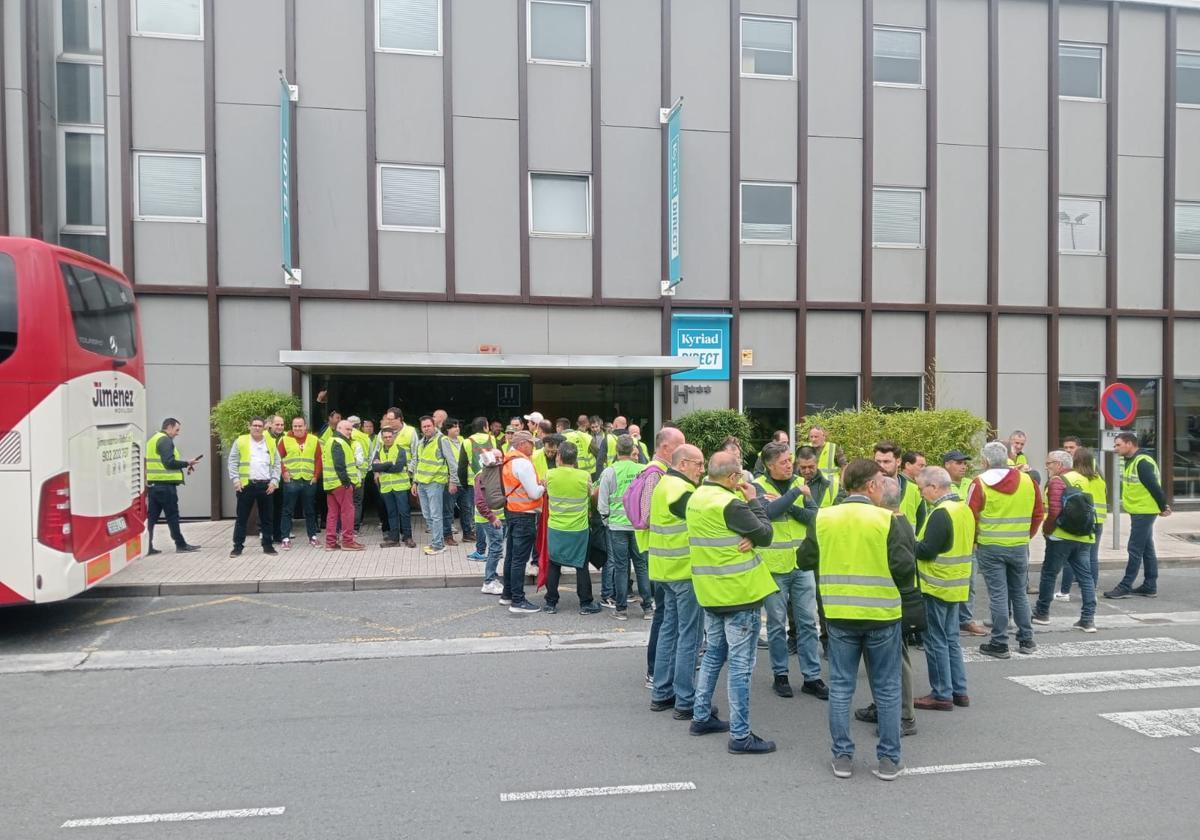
pixel 1118 404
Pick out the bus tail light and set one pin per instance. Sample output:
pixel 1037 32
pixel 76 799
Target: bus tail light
pixel 54 514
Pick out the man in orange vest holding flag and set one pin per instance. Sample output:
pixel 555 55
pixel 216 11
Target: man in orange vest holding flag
pixel 524 494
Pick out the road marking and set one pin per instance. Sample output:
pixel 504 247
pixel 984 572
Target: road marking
pixel 182 816
pixel 975 765
pixel 1098 647
pixel 1092 682
pixel 1159 723
pixel 1196 749
pixel 122 618
pixel 618 790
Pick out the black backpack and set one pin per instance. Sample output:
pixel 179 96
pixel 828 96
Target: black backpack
pixel 1078 514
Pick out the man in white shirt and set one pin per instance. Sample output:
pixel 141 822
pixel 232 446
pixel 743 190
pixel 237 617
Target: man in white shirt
pixel 254 469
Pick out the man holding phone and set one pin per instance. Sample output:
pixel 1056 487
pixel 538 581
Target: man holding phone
pixel 164 473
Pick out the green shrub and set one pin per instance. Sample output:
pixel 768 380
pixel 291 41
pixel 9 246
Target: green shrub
pixel 708 429
pixel 231 416
pixel 932 432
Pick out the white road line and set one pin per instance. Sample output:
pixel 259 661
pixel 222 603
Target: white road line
pixel 618 790
pixel 1098 647
pixel 182 816
pixel 1159 723
pixel 965 768
pixel 1196 749
pixel 1093 682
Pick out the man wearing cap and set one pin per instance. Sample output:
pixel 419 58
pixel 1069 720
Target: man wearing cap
pixel 956 462
pixel 533 423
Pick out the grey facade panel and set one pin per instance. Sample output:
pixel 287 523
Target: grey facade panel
pixel 962 224
pixel 772 337
pixel 1023 237
pixel 630 55
pixel 249 40
pixel 252 334
pixel 961 344
pixel 405 323
pixel 174 330
pixel 1023 69
pixel 248 227
pixel 1081 343
pixel 333 204
pixel 910 13
pixel 1140 113
pixel 485 58
pixel 235 378
pixel 835 68
pixel 899 159
pixel 170 253
pixel 560 124
pixel 632 216
pixel 487 255
pixel 1189 30
pixel 408 116
pixel 560 266
pixel 768 130
pixel 963 73
pixel 1081 280
pixel 1022 405
pixel 704 215
pixel 770 8
pixel 116 187
pixel 834 219
pixel 168 94
pixel 962 390
pixel 898 275
pixel 1085 22
pixel 573 330
pixel 1187 284
pixel 1187 348
pixel 330 59
pixel 897 343
pixel 768 272
pixel 181 391
pixel 411 261
pixel 1082 151
pixel 1139 346
pixel 1140 223
pixel 1022 344
pixel 1187 166
pixel 700 64
pixel 832 342
pixel 18 185
pixel 515 329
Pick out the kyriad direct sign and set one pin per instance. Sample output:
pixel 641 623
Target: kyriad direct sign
pixel 704 338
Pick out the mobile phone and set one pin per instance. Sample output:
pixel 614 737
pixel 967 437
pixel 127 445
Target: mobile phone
pixel 200 457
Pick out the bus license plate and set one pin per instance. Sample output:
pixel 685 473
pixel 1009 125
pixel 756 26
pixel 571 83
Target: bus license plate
pixel 116 525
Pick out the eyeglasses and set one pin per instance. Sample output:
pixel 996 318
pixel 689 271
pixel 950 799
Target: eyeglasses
pixel 256 425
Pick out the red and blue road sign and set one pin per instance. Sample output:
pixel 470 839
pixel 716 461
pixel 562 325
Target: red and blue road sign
pixel 1118 404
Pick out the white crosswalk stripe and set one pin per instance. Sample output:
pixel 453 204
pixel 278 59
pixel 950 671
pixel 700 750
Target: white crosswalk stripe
pixel 1098 647
pixel 1093 682
pixel 1159 723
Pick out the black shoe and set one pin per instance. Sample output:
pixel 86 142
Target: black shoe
pixel 186 548
pixel 1118 592
pixel 816 688
pixel 682 714
pixel 662 705
pixel 993 649
pixel 152 552
pixel 763 644
pixel 270 549
pixel 1144 592
pixel 751 745
pixel 867 714
pixel 907 727
pixel 704 727
pixel 237 552
pixel 781 687
pixel 1027 647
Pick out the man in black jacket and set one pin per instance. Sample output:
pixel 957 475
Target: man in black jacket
pixel 164 473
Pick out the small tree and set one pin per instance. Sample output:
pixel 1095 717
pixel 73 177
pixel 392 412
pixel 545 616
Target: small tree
pixel 231 416
pixel 708 429
pixel 932 432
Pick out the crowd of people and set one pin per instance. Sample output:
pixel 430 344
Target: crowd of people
pixel 854 561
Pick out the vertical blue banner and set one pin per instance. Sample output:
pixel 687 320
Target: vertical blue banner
pixel 285 174
pixel 674 164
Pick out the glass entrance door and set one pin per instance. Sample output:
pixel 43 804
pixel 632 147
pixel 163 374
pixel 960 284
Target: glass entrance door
pixel 769 403
pixel 1079 412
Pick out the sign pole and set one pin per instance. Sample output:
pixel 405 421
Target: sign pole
pixel 1116 529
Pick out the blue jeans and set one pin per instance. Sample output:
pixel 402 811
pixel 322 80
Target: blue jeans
pixel 622 548
pixel 1141 550
pixel 678 641
pixel 432 496
pixel 655 626
pixel 1006 572
pixel 943 654
pixel 448 507
pixel 493 540
pixel 732 636
pixel 882 647
pixel 1077 556
pixel 1068 577
pixel 798 589
pixel 399 514
pixel 965 615
pixel 520 533
pixel 480 540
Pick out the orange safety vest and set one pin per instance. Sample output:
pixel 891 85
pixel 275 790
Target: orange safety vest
pixel 518 499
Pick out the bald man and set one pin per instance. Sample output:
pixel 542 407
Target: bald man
pixel 665 443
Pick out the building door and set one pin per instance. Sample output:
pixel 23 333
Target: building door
pixel 768 400
pixel 1079 412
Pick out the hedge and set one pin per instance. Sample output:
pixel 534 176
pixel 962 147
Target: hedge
pixel 931 432
pixel 708 429
pixel 231 416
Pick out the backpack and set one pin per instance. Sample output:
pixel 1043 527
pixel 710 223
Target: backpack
pixel 491 480
pixel 632 498
pixel 1078 514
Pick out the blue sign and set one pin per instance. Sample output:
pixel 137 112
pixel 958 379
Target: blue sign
pixel 285 173
pixel 704 338
pixel 1118 404
pixel 674 164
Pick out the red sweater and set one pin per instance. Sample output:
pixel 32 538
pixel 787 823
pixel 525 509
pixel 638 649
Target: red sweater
pixel 1008 485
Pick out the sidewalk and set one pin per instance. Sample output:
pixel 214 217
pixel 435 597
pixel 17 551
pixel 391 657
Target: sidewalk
pixel 307 569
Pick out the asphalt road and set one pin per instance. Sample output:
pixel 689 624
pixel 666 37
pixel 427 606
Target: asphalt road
pixel 425 746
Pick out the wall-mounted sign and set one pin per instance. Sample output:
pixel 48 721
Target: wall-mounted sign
pixel 747 358
pixel 508 395
pixel 704 338
pixel 490 349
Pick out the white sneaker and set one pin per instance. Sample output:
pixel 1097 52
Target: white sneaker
pixel 1062 596
pixel 493 587
pixel 431 550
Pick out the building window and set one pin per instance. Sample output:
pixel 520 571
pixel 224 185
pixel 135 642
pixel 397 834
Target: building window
pixel 168 18
pixel 899 57
pixel 768 403
pixel 898 218
pixel 768 48
pixel 560 205
pixel 1187 229
pixel 80 93
pixel 1080 225
pixel 410 198
pixel 559 32
pixel 1186 444
pixel 896 393
pixel 409 26
pixel 768 213
pixel 1145 422
pixel 170 188
pixel 830 393
pixel 1187 78
pixel 81 28
pixel 82 191
pixel 1081 71
pixel 1079 411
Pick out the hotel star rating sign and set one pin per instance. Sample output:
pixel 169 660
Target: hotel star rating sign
pixel 1118 404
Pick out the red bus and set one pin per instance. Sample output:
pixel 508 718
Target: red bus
pixel 72 422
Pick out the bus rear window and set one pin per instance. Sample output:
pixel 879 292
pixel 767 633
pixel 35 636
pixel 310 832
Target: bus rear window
pixel 8 307
pixel 102 309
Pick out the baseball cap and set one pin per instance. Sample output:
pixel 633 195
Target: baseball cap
pixel 955 455
pixel 535 416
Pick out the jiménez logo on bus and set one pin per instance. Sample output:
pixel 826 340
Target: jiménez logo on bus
pixel 112 397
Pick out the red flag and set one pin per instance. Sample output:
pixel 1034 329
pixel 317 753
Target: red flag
pixel 543 547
